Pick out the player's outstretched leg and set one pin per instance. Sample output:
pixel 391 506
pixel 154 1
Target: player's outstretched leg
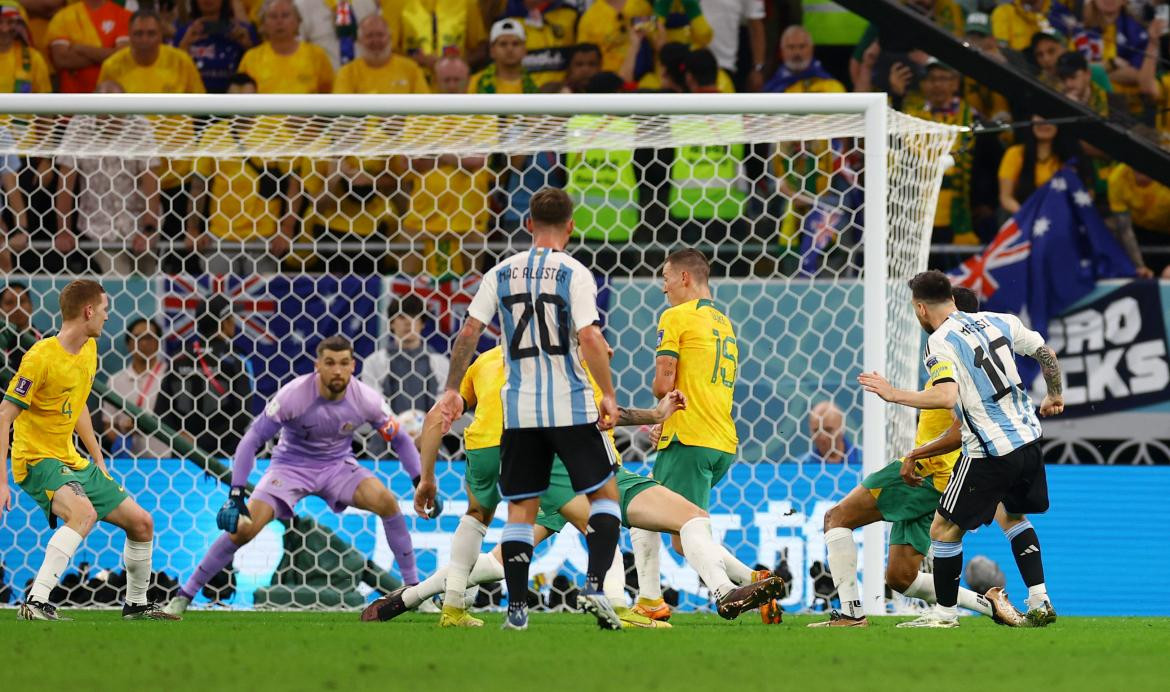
pixel 647 552
pixel 946 540
pixel 72 506
pixel 604 529
pixel 1026 549
pixel 859 508
pixel 139 528
pixel 656 508
pixel 220 554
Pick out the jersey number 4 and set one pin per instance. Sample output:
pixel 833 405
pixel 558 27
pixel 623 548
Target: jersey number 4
pixel 538 309
pixel 993 366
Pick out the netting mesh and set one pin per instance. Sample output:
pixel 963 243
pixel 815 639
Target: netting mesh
pixel 247 239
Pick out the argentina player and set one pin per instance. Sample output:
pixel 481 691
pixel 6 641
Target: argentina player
pixel 970 360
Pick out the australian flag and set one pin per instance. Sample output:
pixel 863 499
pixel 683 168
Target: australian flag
pixel 1049 255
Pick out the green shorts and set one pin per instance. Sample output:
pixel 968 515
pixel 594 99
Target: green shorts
pixel 909 509
pixel 691 471
pixel 46 477
pixel 483 482
pixel 560 492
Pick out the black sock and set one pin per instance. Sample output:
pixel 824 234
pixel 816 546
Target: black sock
pixel 1026 548
pixel 602 539
pixel 948 565
pixel 516 547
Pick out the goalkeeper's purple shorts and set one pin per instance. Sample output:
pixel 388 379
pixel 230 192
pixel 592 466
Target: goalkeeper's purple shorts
pixel 283 485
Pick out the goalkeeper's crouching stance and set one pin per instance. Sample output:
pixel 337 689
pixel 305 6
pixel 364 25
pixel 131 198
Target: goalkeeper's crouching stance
pixel 316 415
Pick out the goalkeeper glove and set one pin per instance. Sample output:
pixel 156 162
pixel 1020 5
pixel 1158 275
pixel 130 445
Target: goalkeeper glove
pixel 228 518
pixel 437 509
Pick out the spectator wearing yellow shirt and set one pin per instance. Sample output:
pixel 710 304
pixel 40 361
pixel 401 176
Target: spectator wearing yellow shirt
pixel 37 16
pixel 376 70
pixel 607 23
pixel 550 30
pixel 942 104
pixel 333 25
pixel 22 68
pixel 1033 162
pixel 800 72
pixel 1014 23
pixel 448 199
pixel 284 64
pixel 434 29
pixel 148 66
pixel 81 36
pixel 1139 211
pixel 506 74
pixel 244 198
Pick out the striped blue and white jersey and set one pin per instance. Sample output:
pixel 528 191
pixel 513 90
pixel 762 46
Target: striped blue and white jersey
pixel 976 351
pixel 543 298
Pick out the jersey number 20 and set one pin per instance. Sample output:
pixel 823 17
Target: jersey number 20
pixel 537 309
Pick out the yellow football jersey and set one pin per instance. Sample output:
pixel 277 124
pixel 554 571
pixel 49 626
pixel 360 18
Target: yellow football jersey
pixel 482 384
pixel 305 71
pixel 703 341
pixel 931 424
pixel 173 72
pixel 52 386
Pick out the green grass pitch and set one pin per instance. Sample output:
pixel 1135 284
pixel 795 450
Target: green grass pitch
pixel 332 651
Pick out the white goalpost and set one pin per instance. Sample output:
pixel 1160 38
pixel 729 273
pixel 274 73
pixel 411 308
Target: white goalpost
pixel 312 214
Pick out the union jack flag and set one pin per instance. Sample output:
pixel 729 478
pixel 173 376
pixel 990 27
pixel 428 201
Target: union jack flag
pixel 978 272
pixel 183 298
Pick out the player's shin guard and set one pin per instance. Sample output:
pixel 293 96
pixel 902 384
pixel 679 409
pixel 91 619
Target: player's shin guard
pixel 605 525
pixel 1026 548
pixel 703 555
pixel 647 547
pixel 58 553
pixel 464 551
pixel 948 565
pixel 137 555
pixel 218 556
pixel 398 538
pixel 842 552
pixel 516 545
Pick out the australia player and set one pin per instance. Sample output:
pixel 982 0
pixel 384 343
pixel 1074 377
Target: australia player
pixel 316 416
pixel 46 401
pixel 970 358
pixel 698 354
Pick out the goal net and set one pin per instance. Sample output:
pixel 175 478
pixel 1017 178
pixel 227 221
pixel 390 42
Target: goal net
pixel 230 245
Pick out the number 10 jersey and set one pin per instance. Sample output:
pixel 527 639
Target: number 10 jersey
pixel 543 297
pixel 975 350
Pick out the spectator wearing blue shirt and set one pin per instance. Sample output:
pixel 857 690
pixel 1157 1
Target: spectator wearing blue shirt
pixel 830 442
pixel 216 41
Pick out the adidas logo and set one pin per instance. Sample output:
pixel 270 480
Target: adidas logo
pixel 1029 550
pixel 518 558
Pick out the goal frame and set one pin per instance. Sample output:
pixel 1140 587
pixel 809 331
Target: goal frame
pixel 873 106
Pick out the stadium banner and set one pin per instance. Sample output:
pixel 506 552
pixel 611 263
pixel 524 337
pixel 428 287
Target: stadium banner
pixel 769 510
pixel 1113 349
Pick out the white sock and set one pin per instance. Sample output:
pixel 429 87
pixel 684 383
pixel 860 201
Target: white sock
pixel 647 546
pixel 1036 596
pixel 487 570
pixel 614 585
pixel 137 555
pixel 415 595
pixel 738 572
pixel 464 552
pixel 58 553
pixel 842 552
pixel 703 555
pixel 923 587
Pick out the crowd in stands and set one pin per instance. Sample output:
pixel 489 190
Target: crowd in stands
pixel 170 213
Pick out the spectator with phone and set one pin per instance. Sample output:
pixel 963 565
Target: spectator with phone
pixel 216 41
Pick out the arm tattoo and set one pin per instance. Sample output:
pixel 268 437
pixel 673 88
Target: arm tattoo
pixel 77 489
pixel 1050 367
pixel 636 416
pixel 461 354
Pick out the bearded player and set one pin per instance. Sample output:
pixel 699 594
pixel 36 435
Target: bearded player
pixel 905 493
pixel 316 415
pixel 643 503
pixel 47 401
pixel 697 353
